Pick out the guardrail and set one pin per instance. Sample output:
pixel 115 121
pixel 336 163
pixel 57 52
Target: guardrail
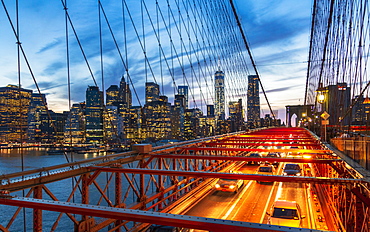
pixel 357 148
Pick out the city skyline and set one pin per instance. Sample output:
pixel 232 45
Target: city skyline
pixel 257 18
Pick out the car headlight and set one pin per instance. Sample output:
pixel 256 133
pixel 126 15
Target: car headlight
pixel 298 174
pixel 285 174
pixel 232 186
pixel 217 185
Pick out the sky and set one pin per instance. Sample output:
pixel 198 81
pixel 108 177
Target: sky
pixel 277 32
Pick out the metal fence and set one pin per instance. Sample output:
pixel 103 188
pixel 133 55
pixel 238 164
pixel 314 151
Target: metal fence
pixel 357 148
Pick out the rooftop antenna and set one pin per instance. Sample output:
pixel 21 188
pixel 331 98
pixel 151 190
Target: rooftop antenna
pixel 219 63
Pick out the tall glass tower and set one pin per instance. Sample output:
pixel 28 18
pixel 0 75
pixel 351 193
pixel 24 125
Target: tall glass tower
pixel 253 102
pixel 151 92
pixel 184 90
pixel 94 115
pixel 220 95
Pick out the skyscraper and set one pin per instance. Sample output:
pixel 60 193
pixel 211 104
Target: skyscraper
pixel 219 95
pixel 253 102
pixel 14 107
pixel 184 90
pixel 74 130
pixel 36 109
pixel 151 92
pixel 112 94
pixel 236 115
pixel 178 116
pixel 94 115
pixel 124 95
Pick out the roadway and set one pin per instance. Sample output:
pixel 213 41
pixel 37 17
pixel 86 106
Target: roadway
pixel 252 202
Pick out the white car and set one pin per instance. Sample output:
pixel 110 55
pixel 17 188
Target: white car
pixel 285 213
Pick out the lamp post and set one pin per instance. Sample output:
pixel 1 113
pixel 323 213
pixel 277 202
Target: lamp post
pixel 321 98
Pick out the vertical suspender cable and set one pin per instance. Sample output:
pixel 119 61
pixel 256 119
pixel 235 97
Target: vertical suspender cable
pixel 250 55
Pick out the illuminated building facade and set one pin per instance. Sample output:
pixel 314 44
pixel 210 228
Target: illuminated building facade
pixel 113 124
pixel 124 96
pixel 178 117
pixel 36 109
pixel 14 107
pixel 210 110
pixel 207 126
pixel 361 110
pixel 220 95
pixel 52 127
pixel 236 115
pixel 94 115
pixel 74 130
pixel 151 92
pixel 184 90
pixel 338 102
pixel 158 119
pixel 134 130
pixel 112 94
pixel 191 123
pixel 253 102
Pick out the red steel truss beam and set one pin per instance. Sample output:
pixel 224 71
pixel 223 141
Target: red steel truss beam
pixel 258 143
pixel 263 139
pixel 244 158
pixel 308 151
pixel 237 176
pixel 186 221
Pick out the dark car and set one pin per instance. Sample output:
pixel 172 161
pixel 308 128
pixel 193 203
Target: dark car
pixel 273 155
pixel 254 155
pixel 292 170
pixel 266 170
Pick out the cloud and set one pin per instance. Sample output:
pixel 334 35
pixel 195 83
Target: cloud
pixel 52 45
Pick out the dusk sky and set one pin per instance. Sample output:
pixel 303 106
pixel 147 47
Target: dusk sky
pixel 277 31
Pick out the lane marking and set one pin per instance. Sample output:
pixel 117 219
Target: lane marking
pixel 237 201
pixel 268 200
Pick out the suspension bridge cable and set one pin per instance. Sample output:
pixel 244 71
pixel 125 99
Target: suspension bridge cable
pixel 251 58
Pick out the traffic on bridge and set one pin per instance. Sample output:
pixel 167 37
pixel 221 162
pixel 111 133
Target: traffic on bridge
pixel 293 182
pixel 155 116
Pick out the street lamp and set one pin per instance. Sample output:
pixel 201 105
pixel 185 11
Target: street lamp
pixel 321 92
pixel 321 98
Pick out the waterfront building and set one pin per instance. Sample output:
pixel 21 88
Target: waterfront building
pixel 158 119
pixel 94 115
pixel 192 124
pixel 14 107
pixel 184 90
pixel 124 96
pixel 124 105
pixel 210 110
pixel 113 125
pixel 134 130
pixel 36 109
pixel 151 92
pixel 236 115
pixel 112 94
pixel 220 95
pixel 74 129
pixel 253 102
pixel 52 127
pixel 207 126
pixel 178 117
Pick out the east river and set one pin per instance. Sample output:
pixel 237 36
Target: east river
pixel 35 158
